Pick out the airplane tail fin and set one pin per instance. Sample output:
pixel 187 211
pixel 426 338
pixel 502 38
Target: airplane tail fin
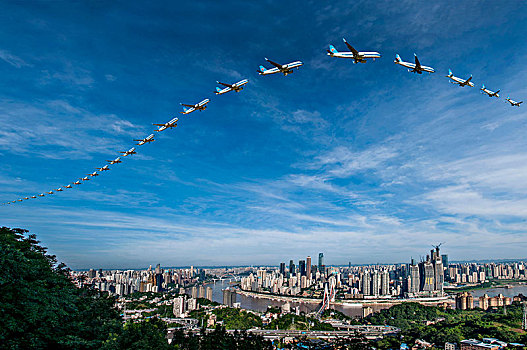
pixel 218 89
pixel 332 49
pixel 398 58
pixel 262 69
pixel 450 72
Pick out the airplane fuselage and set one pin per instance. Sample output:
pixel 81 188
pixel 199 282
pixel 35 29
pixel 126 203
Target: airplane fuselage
pixel 361 57
pixel 412 67
pixel 489 93
pixel 459 81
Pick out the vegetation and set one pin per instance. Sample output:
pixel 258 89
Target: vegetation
pixel 41 307
pixel 237 319
pixel 438 326
pixel 219 339
pixel 296 322
pixel 144 334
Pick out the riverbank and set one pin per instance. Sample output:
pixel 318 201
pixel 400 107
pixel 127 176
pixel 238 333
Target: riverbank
pixel 350 302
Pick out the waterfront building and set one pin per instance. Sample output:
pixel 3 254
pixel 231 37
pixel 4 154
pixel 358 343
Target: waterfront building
pixel 209 293
pixel 464 301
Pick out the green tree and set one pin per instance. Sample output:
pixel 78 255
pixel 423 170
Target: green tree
pixel 144 334
pixel 40 306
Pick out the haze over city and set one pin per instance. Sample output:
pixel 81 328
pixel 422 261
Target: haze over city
pixel 367 163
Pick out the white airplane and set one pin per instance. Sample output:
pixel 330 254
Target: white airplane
pixel 279 68
pixel 67 186
pixel 357 56
pixel 236 87
pixel 13 201
pixel 41 195
pixel 33 196
pixel 416 68
pixel 93 174
pixel 513 103
pixel 127 153
pixel 147 139
pixel 77 183
pixel 171 124
pixel 26 198
pixel 50 192
pixel 459 81
pixel 115 161
pixel 484 90
pixel 59 189
pixel 201 106
pixel 104 168
pixel 20 200
pixel 86 178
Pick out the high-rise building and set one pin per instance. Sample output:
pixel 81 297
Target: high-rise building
pixel 321 262
pixel 302 267
pixel 308 267
pixel 385 283
pixel 209 293
pixel 282 268
pixel 179 307
pixel 426 274
pixel 291 268
pixel 414 278
pixel 229 297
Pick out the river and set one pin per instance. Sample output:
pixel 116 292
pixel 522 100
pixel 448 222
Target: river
pixel 261 304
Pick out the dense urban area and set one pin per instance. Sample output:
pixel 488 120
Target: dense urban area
pixel 418 305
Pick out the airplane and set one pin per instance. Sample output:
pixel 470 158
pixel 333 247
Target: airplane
pixel 13 201
pixel 77 183
pixel 285 69
pixel 20 200
pixel 93 174
pixel 484 90
pixel 41 195
pixel 171 124
pixel 198 106
pixel 86 178
pixel 147 139
pixel 50 192
pixel 127 153
pixel 513 103
pixel 26 198
pixel 416 68
pixel 67 186
pixel 356 55
pixel 59 189
pixel 33 196
pixel 104 168
pixel 459 81
pixel 115 161
pixel 236 87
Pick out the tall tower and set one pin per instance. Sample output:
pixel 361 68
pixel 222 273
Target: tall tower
pixel 308 267
pixel 321 262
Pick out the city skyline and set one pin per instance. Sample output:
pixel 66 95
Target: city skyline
pixel 365 162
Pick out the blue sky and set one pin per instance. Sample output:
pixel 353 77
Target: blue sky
pixel 367 163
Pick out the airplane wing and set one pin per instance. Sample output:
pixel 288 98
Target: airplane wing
pixel 159 124
pixel 417 63
pixel 277 65
pixel 227 85
pixel 351 48
pixel 187 105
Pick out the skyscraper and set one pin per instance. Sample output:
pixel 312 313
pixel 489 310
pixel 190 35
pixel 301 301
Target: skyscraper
pixel 302 267
pixel 308 267
pixel 321 262
pixel 282 269
pixel 291 268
